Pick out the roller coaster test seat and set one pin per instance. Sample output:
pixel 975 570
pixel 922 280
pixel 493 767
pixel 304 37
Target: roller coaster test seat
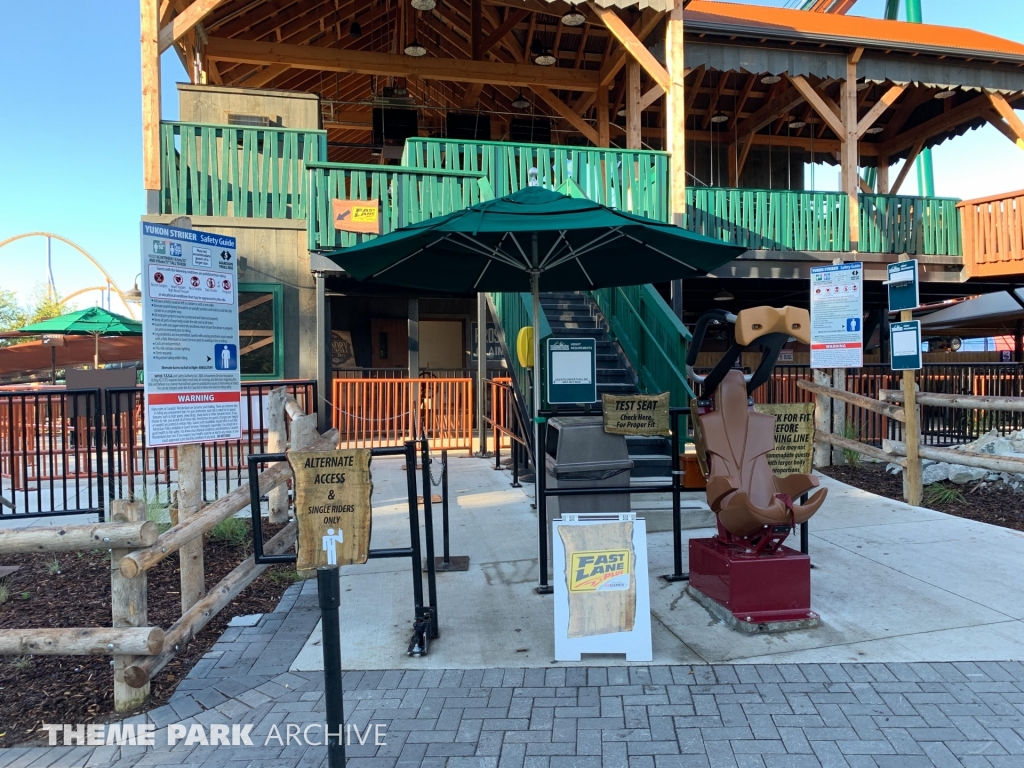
pixel 746 567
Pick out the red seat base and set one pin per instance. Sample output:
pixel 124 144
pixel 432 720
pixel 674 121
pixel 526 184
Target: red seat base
pixel 756 589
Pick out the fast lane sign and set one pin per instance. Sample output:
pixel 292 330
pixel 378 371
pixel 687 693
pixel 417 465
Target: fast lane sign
pixel 190 336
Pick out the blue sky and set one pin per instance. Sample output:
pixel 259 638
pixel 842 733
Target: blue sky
pixel 70 127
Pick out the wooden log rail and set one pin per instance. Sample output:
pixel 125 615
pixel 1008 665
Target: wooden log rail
pixel 82 641
pixel 861 448
pixel 982 402
pixel 987 461
pixel 141 560
pixel 861 401
pixel 185 628
pixel 70 538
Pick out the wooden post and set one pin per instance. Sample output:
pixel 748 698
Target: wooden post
pixel 190 501
pixel 150 26
pixel 912 488
pixel 822 420
pixel 675 112
pixel 839 412
pixel 481 370
pixel 883 175
pixel 603 131
pixel 850 154
pixel 632 105
pixel 303 432
pixel 127 605
pixel 277 441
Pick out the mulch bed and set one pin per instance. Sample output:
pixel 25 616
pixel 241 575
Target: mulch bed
pixel 80 689
pixel 987 502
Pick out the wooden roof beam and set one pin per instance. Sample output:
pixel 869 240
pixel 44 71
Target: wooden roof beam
pixel 632 44
pixel 566 113
pixel 826 108
pixel 780 105
pixel 397 65
pixel 1001 125
pixel 974 108
pixel 183 22
pixel 1002 106
pixel 513 18
pixel 887 100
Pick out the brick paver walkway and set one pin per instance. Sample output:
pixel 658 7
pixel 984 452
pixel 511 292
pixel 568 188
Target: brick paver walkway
pixel 751 716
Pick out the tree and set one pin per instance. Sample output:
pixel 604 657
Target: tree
pixel 46 303
pixel 12 315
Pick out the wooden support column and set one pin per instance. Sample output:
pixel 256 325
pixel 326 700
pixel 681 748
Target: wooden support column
pixel 675 112
pixel 277 442
pixel 883 175
pixel 850 155
pixel 190 501
pixel 822 419
pixel 603 132
pixel 150 27
pixel 839 414
pixel 633 107
pixel 128 605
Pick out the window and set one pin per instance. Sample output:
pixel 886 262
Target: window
pixel 261 330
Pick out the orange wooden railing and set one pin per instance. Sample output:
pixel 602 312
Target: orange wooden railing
pixel 993 232
pixel 373 413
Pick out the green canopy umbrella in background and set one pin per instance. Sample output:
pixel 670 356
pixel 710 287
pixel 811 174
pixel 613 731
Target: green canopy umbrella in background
pixel 94 321
pixel 534 235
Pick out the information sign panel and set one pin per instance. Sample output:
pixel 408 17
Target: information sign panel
pixel 905 343
pixel 572 371
pixel 190 336
pixel 636 414
pixel 837 312
pixel 903 286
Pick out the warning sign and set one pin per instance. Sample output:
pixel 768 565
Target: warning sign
pixel 190 336
pixel 837 311
pixel 332 506
pixel 356 216
pixel 636 414
pixel 794 437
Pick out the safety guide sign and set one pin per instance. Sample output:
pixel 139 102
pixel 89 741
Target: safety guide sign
pixel 190 336
pixel 837 311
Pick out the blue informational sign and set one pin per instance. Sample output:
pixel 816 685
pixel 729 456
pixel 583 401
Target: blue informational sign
pixel 225 357
pixel 572 371
pixel 902 284
pixel 905 345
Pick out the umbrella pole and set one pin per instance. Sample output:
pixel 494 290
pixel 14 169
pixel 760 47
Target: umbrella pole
pixel 96 353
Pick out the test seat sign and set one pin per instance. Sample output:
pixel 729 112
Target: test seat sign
pixel 190 336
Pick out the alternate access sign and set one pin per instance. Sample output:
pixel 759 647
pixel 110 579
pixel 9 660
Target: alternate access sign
pixel 190 336
pixel 837 311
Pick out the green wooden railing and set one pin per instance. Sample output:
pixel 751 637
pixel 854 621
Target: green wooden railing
pixel 928 226
pixel 231 170
pixel 653 339
pixel 406 195
pixel 631 180
pixel 775 220
pixel 514 311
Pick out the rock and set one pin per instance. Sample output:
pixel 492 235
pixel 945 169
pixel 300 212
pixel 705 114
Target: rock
pixel 1017 441
pixel 991 442
pixel 960 474
pixel 935 473
pixel 893 469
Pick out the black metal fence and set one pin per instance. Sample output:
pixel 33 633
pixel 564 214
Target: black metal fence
pixel 65 452
pixel 939 425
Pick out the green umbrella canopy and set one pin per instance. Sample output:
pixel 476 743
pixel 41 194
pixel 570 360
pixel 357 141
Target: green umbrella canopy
pixel 93 321
pixel 579 245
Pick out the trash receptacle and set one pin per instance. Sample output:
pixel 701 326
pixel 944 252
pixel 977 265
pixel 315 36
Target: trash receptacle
pixel 580 454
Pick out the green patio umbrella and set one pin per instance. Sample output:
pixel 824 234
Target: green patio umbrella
pixel 530 237
pixel 94 322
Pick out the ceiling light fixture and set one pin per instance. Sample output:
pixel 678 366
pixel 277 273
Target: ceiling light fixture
pixel 770 79
pixel 545 59
pixel 863 86
pixel 942 95
pixel 724 296
pixel 719 118
pixel 415 49
pixel 423 5
pixel 796 125
pixel 354 30
pixel 874 130
pixel 521 102
pixel 621 112
pixel 574 18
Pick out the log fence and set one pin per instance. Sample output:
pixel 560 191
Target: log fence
pixel 140 651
